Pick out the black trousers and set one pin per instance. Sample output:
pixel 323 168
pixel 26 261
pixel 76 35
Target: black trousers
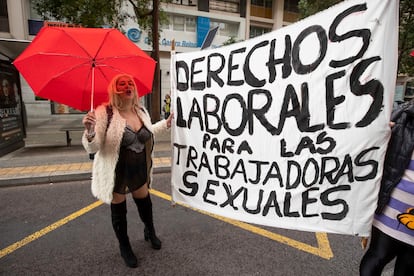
pixel 382 250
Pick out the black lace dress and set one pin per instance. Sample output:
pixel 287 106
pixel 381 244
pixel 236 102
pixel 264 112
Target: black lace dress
pixel 131 169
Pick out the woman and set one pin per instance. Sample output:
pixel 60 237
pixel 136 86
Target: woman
pixel 393 226
pixel 121 134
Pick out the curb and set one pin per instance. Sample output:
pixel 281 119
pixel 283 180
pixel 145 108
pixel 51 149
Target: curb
pixel 32 180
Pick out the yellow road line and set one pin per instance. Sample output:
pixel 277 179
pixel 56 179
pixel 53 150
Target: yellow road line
pixel 323 249
pixel 5 172
pixel 47 229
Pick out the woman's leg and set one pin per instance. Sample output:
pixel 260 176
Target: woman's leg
pixel 118 198
pixel 119 223
pixel 404 265
pixel 143 201
pixel 142 192
pixel 382 250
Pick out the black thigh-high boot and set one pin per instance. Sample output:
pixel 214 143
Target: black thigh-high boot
pixel 145 212
pixel 119 223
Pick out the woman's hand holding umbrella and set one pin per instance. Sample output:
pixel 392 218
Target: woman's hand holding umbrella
pixel 89 122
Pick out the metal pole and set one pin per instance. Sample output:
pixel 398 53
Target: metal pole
pixel 155 96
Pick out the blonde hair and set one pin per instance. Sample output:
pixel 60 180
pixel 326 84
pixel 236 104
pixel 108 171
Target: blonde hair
pixel 115 98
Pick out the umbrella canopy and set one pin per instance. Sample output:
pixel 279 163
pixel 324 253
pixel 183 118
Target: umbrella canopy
pixel 74 66
pixel 412 54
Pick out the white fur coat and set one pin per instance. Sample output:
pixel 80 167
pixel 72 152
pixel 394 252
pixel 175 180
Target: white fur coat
pixel 106 145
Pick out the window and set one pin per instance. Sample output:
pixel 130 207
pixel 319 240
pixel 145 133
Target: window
pixel 258 31
pixel 184 2
pixel 291 5
pixel 232 6
pixel 190 24
pixel 178 23
pixel 262 3
pixel 261 8
pixel 182 23
pixel 409 91
pixel 166 25
pixel 225 29
pixel 4 17
pixel 291 11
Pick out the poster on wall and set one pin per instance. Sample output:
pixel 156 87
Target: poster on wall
pixel 11 123
pixel 289 129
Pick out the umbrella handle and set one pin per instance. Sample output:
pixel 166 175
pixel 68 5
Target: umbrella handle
pixel 93 85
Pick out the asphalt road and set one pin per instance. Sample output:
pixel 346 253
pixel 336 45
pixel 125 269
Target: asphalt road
pixel 45 230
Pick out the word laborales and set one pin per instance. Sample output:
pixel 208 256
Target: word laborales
pixel 266 187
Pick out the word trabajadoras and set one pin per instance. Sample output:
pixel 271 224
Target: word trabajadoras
pixel 230 181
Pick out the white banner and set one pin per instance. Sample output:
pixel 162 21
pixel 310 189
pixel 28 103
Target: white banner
pixel 289 129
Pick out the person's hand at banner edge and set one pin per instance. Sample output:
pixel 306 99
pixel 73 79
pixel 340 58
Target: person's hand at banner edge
pixel 169 119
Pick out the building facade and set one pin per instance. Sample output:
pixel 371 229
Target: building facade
pixel 189 23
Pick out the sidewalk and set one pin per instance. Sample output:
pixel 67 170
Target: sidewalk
pixel 47 159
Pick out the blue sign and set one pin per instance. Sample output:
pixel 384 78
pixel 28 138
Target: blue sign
pixel 209 38
pixel 134 34
pixel 203 26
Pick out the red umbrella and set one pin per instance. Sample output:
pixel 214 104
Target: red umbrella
pixel 74 66
pixel 412 54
